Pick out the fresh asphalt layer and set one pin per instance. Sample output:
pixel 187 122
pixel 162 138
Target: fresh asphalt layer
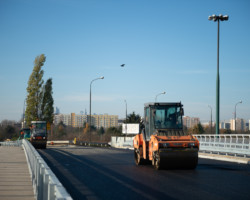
pixel 107 173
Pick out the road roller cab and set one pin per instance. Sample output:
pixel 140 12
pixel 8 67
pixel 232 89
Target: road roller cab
pixel 163 141
pixel 39 134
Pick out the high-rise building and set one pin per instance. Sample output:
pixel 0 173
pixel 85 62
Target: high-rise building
pixel 240 124
pixel 190 122
pixel 107 121
pixel 57 111
pixel 104 121
pixel 66 119
pixel 225 125
pixel 76 120
pixel 72 119
pixel 247 126
pixel 80 120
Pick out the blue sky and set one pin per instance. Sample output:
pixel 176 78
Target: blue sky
pixel 166 45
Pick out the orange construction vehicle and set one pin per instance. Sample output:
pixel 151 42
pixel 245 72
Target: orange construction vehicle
pixel 163 141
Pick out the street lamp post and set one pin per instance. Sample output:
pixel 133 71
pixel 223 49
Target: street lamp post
pixel 126 118
pixel 24 113
pixel 158 95
pixel 211 122
pixel 235 114
pixel 102 77
pixel 218 18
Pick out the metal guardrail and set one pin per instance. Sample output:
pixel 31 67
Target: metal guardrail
pixel 230 144
pixel 45 183
pixel 94 144
pixel 77 142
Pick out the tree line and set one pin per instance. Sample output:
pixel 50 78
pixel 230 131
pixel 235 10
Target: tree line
pixel 11 130
pixel 63 132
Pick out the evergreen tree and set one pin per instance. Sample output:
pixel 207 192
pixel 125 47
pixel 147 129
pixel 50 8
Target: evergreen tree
pixel 47 108
pixel 198 129
pixel 101 131
pixel 133 118
pixel 34 90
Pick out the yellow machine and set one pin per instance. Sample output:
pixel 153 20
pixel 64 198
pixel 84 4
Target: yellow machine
pixel 163 141
pixel 25 133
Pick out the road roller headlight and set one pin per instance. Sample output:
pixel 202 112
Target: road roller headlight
pixel 191 144
pixel 34 138
pixel 164 145
pixel 44 138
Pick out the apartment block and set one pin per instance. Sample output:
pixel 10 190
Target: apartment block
pixel 66 119
pixel 225 125
pixel 104 121
pixel 78 120
pixel 190 122
pixel 240 124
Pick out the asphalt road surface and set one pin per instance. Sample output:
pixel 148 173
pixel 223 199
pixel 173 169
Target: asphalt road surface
pixel 107 173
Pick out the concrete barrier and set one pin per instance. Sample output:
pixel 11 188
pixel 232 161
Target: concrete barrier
pixel 59 142
pixel 122 142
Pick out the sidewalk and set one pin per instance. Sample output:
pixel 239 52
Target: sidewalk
pixel 15 179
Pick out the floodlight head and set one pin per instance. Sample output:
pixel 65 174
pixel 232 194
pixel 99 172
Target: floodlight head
pixel 223 17
pixel 219 17
pixel 215 18
pixel 240 101
pixel 212 17
pixel 226 17
pixel 102 77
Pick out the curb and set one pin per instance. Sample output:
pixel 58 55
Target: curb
pixel 225 158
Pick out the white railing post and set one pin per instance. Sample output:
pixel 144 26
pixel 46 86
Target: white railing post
pixel 44 181
pixel 237 145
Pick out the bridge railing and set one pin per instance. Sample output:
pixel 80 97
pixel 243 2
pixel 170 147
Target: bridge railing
pixel 45 183
pixel 16 143
pixel 230 144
